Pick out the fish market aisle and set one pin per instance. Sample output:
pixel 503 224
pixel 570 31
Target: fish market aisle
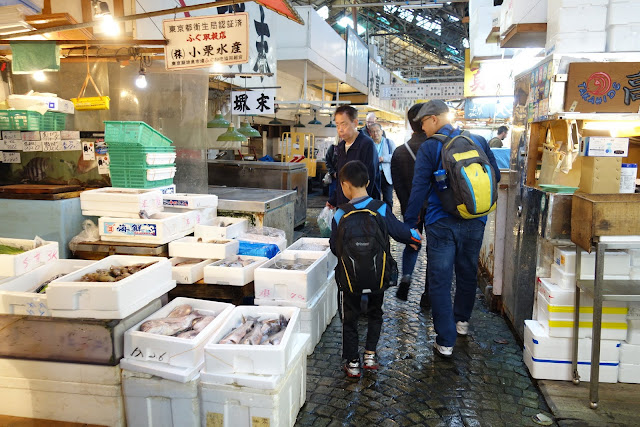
pixel 485 383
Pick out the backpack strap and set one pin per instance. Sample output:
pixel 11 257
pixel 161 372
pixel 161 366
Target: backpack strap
pixel 413 155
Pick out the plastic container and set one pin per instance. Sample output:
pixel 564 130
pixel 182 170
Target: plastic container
pixel 190 247
pixel 560 369
pixel 628 175
pixel 222 228
pixel 190 201
pixel 161 228
pixel 77 393
pixel 616 263
pixel 52 121
pixel 442 183
pixel 316 244
pixel 190 273
pixel 157 402
pixel 215 274
pixel 252 359
pixel 158 352
pixel 130 177
pixel 123 154
pixel 15 265
pixel 67 297
pixel 140 132
pixel 20 120
pixel 121 201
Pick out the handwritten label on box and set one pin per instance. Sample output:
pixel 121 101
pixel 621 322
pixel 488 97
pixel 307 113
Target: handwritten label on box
pixel 32 146
pixel 51 145
pixel 69 134
pixel 12 144
pixel 72 145
pixel 11 157
pixel 11 134
pixel 50 136
pixel 30 136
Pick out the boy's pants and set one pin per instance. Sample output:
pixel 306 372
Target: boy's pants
pixel 350 309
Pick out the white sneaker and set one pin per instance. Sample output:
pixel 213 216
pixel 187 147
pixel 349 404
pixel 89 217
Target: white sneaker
pixel 442 350
pixel 462 328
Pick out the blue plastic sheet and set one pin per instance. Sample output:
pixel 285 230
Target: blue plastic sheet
pixel 268 250
pixel 502 156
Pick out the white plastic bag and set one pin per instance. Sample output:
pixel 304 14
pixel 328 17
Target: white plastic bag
pixel 89 233
pixel 324 221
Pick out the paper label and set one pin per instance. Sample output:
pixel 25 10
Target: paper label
pixel 103 164
pixel 12 144
pixel 51 145
pixel 11 158
pixel 215 420
pixel 129 229
pixel 69 134
pixel 11 134
pixel 30 136
pixel 50 136
pixel 88 150
pixel 32 146
pixel 73 145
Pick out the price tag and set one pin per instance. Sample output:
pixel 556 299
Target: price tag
pixel 51 145
pixel 11 134
pixel 88 150
pixel 30 136
pixel 32 146
pixel 69 134
pixel 72 145
pixel 103 164
pixel 12 144
pixel 50 136
pixel 11 157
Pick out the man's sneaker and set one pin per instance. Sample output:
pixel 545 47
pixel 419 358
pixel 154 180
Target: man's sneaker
pixel 462 328
pixel 442 350
pixel 370 361
pixel 352 368
pixel 403 289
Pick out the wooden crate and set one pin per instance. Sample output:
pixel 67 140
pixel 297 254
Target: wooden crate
pixel 595 215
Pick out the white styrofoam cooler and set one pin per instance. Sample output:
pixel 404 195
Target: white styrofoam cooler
pixel 161 228
pixel 252 359
pixel 120 202
pixel 253 236
pixel 190 247
pixel 71 392
pixel 616 263
pixel 222 228
pixel 157 402
pixel 67 297
pixel 560 370
pixel 624 37
pixel 616 312
pixel 577 42
pixel 17 295
pixel 628 373
pixel 190 201
pixel 633 333
pixel 309 243
pixel 242 400
pixel 161 351
pixel 15 265
pixel 188 274
pixel 233 276
pixel 295 286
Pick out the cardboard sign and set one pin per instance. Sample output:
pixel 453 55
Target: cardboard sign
pixel 88 150
pixel 603 87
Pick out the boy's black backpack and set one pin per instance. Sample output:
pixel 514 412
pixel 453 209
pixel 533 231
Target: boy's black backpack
pixel 473 189
pixel 365 264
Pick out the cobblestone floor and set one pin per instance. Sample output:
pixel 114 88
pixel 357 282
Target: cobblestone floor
pixel 485 383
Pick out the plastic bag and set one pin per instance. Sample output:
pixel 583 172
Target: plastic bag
pixel 324 221
pixel 89 233
pixel 268 250
pixel 327 179
pixel 269 233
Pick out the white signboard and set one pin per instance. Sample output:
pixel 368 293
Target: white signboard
pixel 252 102
pixel 357 57
pixel 452 90
pixel 201 42
pixel 11 157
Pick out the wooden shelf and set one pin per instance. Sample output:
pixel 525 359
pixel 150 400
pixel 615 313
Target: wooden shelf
pixel 494 35
pixel 525 35
pixel 55 20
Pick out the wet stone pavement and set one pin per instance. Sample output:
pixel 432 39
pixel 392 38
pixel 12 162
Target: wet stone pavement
pixel 485 383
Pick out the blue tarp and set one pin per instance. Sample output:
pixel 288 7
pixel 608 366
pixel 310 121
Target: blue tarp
pixel 502 156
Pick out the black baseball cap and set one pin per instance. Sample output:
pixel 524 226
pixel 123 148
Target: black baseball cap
pixel 434 107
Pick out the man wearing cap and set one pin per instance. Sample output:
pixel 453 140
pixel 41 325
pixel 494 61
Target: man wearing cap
pixel 369 121
pixel 453 243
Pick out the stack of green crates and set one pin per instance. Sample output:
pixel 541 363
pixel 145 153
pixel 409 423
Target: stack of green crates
pixel 31 120
pixel 135 148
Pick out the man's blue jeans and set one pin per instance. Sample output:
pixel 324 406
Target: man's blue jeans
pixel 453 244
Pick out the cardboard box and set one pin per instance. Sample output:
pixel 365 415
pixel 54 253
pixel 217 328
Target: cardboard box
pixel 600 175
pixel 602 146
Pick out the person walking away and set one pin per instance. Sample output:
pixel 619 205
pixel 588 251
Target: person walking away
pixel 453 242
pixel 496 141
pixel 360 239
pixel 384 150
pixel 353 145
pixel 330 160
pixel 370 119
pixel 402 164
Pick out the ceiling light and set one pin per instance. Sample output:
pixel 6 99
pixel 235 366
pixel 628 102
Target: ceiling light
pixel 275 121
pixel 216 68
pixel 232 135
pixel 39 76
pixel 218 121
pixel 248 131
pixel 141 80
pixel 315 120
pixel 109 26
pixel 330 125
pixel 422 6
pixel 298 123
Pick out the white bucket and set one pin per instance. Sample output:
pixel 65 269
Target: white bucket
pixel 628 175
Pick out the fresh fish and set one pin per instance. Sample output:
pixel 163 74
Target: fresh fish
pixel 255 336
pixel 189 262
pixel 201 323
pixel 236 336
pixel 42 289
pixel 298 264
pixel 168 326
pixel 143 214
pixel 277 338
pixel 36 169
pixel 188 334
pixel 270 328
pixel 181 311
pixel 114 273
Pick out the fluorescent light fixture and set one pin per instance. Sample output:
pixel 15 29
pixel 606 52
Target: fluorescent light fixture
pixel 39 76
pixel 422 6
pixel 345 21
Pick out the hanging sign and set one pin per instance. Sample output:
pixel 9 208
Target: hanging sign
pixel 452 90
pixel 201 42
pixel 488 108
pixel 252 102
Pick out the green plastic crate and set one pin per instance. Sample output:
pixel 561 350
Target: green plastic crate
pixel 53 121
pixel 5 120
pixel 136 177
pixel 25 120
pixel 136 155
pixel 134 132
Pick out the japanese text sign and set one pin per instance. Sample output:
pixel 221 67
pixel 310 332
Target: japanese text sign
pixel 453 90
pixel 202 41
pixel 252 102
pixel 603 87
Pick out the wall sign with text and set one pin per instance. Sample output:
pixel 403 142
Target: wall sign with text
pixel 252 102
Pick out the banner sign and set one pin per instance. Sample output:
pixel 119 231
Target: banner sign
pixel 488 108
pixel 252 102
pixel 201 42
pixel 452 90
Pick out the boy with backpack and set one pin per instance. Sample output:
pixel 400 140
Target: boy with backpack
pixel 458 175
pixel 360 239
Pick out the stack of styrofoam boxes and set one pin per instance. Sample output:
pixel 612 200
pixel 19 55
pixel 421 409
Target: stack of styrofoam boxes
pixel 623 26
pixel 161 373
pixel 630 350
pixel 246 385
pixel 514 12
pixel 313 290
pixel 548 340
pixel 576 26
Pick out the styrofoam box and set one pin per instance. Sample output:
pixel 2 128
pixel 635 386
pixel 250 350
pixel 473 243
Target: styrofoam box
pixel 616 263
pixel 558 296
pixel 628 373
pixel 177 352
pixel 524 11
pixel 563 20
pixel 167 189
pixel 634 310
pixel 306 242
pixel 247 400
pixel 564 328
pixel 624 13
pixel 67 297
pixel 630 353
pixel 70 392
pixel 120 201
pixel 15 265
pixel 299 286
pixel 542 346
pixel 161 228
pixel 633 333
pixel 157 402
pixel 568 281
pixel 232 229
pixel 158 174
pixel 232 276
pixel 615 314
pixel 634 254
pixel 555 4
pixel 333 300
pixel 560 370
pixel 190 273
pixel 280 242
pixel 17 295
pixel 189 247
pixel 252 359
pixel 623 38
pixel 161 158
pixel 577 42
pixel 190 201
